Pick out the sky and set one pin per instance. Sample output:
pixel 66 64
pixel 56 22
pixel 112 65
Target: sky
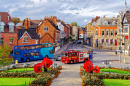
pixel 79 11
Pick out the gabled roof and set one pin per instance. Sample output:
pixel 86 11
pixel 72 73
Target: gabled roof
pixel 36 22
pixel 56 27
pixel 4 17
pixel 32 33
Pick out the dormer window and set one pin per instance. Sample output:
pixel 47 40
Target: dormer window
pixel 105 23
pixel 11 26
pixel 114 23
pixel 2 26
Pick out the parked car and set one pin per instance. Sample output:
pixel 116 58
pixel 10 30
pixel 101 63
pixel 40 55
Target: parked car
pixel 79 42
pixel 58 58
pixel 74 41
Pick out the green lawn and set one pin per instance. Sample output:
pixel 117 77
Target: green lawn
pixel 21 70
pixel 114 71
pixel 116 82
pixel 15 81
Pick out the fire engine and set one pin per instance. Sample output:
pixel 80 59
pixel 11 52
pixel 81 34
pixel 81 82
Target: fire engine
pixel 74 56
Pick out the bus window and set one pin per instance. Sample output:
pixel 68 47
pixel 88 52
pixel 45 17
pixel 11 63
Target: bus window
pixel 69 54
pixel 22 48
pixel 28 54
pixel 32 54
pixel 37 46
pixel 16 53
pixel 49 45
pixel 52 51
pixel 32 47
pixel 75 54
pixel 46 45
pixel 41 46
pixel 27 47
pixel 66 54
pixel 16 47
pixel 38 53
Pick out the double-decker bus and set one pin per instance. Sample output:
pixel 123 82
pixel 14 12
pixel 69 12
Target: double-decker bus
pixel 33 52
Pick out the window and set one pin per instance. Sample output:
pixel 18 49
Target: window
pixel 2 41
pixel 36 41
pixel 32 47
pixel 107 33
pixel 111 41
pixel 111 32
pixel 109 23
pixel 69 54
pixel 125 30
pixel 114 23
pixel 66 54
pixel 11 40
pixel 39 35
pixel 102 32
pixel 32 54
pixel 75 54
pixel 25 39
pixel 1 28
pixel 16 53
pixel 102 41
pixel 96 32
pixel 16 47
pixel 52 51
pixel 105 23
pixel 38 53
pixel 45 28
pixel 115 33
pixel 11 28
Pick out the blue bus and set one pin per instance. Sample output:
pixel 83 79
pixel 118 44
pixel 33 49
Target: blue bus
pixel 33 52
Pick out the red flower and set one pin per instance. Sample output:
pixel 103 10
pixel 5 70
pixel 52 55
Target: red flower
pixel 38 67
pixel 47 62
pixel 96 69
pixel 88 66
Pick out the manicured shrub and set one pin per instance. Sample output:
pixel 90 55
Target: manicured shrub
pixel 127 68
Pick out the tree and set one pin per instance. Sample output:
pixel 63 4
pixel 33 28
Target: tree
pixel 4 55
pixel 15 20
pixel 74 23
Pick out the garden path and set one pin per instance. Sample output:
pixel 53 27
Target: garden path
pixel 69 76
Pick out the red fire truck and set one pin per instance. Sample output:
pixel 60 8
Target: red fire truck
pixel 74 56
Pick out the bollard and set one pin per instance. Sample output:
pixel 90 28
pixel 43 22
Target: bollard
pixel 124 60
pixel 16 61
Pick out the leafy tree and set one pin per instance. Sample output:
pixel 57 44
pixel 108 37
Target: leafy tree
pixel 15 20
pixel 74 23
pixel 4 55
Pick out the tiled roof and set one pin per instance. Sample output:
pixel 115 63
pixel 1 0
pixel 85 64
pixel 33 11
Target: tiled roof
pixel 32 33
pixel 4 17
pixel 54 25
pixel 36 22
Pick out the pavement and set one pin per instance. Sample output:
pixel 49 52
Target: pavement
pixel 64 47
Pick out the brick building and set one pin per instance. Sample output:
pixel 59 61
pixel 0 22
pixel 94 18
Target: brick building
pixel 8 30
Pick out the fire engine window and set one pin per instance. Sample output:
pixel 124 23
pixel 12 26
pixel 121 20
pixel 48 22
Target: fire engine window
pixel 66 54
pixel 69 54
pixel 81 55
pixel 62 54
pixel 75 54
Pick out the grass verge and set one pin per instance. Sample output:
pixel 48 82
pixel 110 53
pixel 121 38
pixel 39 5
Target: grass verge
pixel 116 82
pixel 115 71
pixel 15 81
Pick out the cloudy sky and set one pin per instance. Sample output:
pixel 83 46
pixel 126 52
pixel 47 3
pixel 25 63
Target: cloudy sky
pixel 80 11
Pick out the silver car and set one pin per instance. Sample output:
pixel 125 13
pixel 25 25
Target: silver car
pixel 58 58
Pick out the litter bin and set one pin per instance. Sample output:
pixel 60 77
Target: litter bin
pixel 90 56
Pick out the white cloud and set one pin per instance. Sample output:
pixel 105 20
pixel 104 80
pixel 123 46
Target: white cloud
pixel 80 11
pixel 85 20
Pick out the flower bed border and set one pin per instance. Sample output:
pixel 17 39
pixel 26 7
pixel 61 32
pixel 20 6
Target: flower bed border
pixel 123 75
pixel 47 83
